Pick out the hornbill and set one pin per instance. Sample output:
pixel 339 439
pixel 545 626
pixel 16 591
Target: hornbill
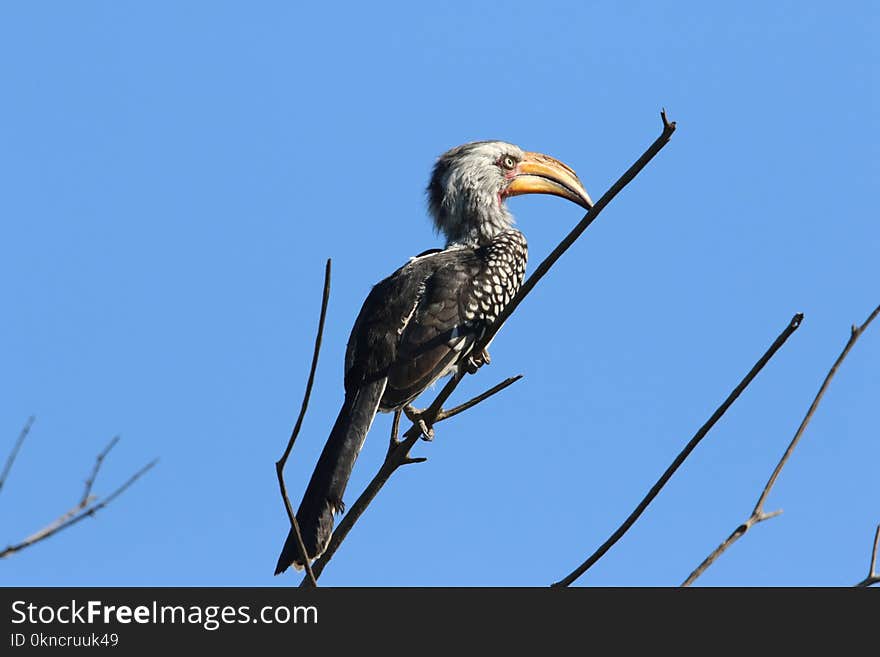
pixel 423 321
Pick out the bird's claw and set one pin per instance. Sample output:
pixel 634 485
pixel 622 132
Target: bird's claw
pixel 427 432
pixel 416 416
pixel 475 362
pixel 412 413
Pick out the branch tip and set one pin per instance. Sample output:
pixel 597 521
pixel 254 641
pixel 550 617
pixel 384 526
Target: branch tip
pixel 25 430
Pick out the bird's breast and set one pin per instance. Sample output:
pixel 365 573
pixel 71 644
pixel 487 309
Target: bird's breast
pixel 499 278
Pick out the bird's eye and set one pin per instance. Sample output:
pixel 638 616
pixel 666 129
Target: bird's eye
pixel 508 162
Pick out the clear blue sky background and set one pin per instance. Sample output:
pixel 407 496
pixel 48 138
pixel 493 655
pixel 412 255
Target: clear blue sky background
pixel 174 176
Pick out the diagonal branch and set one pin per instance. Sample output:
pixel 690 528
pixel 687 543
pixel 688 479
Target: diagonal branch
pixel 568 240
pixel 873 576
pixel 701 433
pixel 279 465
pixel 83 509
pixel 399 455
pixel 25 430
pixel 758 514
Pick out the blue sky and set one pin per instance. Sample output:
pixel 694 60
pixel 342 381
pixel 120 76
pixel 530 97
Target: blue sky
pixel 175 175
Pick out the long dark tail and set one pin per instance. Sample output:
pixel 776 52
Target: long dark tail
pixel 323 495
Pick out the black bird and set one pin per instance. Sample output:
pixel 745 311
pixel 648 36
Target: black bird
pixel 422 322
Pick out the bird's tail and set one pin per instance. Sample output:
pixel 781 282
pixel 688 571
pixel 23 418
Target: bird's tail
pixel 323 496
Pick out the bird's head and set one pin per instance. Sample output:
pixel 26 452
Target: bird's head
pixel 470 184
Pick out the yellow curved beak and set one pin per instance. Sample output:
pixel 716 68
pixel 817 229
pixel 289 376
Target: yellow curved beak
pixel 542 174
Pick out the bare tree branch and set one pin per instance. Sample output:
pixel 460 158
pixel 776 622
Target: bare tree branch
pixel 279 465
pixel 83 509
pixel 701 433
pixel 399 455
pixel 18 443
pixel 873 576
pixel 758 514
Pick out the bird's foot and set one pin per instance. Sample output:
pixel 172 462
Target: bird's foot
pixel 416 416
pixel 412 413
pixel 476 361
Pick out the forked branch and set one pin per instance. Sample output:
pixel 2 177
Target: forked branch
pixel 398 455
pixel 87 506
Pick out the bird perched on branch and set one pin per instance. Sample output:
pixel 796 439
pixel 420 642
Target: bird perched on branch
pixel 424 320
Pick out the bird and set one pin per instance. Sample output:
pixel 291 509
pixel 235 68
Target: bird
pixel 423 321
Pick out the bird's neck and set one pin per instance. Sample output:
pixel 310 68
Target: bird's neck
pixel 475 229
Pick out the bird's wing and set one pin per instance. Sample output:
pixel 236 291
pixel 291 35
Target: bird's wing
pixel 372 345
pixel 438 333
pixel 412 327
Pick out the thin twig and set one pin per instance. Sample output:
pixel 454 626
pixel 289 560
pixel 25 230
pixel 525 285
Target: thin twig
pixel 701 433
pixel 75 515
pixel 400 455
pixel 18 443
pixel 279 465
pixel 461 408
pixel 758 514
pixel 99 460
pixel 873 576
